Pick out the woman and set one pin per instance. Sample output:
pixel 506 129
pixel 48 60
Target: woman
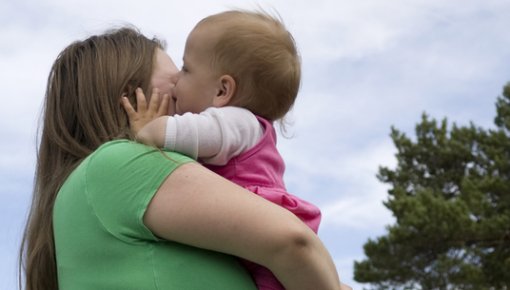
pixel 108 213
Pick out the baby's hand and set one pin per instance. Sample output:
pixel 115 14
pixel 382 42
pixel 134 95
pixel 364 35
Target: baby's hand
pixel 138 119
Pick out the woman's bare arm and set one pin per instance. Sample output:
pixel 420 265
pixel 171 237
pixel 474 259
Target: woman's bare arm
pixel 195 206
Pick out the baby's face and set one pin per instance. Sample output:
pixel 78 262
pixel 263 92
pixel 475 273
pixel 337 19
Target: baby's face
pixel 197 84
pixel 164 76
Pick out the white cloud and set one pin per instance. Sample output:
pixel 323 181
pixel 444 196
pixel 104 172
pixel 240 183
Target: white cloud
pixel 344 185
pixel 364 212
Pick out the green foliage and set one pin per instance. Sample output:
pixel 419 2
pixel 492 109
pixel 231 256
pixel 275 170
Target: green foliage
pixel 450 196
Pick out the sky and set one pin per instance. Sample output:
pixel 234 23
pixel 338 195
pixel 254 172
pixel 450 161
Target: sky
pixel 367 65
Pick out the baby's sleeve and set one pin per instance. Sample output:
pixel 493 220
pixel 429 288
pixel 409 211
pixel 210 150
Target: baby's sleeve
pixel 215 135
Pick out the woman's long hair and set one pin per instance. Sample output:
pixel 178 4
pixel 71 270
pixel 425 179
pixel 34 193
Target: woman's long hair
pixel 82 111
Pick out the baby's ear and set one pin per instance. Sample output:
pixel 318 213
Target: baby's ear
pixel 226 91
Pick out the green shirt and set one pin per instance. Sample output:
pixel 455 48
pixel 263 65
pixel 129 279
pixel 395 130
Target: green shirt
pixel 100 238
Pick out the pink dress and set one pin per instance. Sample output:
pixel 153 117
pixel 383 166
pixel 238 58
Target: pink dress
pixel 260 170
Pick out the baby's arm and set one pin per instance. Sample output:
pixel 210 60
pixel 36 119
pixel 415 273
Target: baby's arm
pixel 215 135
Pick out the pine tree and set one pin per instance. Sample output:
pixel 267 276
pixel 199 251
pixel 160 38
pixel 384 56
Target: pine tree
pixel 450 196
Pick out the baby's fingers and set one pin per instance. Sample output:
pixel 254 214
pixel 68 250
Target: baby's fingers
pixel 154 102
pixel 141 101
pixel 128 107
pixel 163 107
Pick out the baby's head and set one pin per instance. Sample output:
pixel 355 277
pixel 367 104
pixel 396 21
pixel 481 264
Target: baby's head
pixel 251 60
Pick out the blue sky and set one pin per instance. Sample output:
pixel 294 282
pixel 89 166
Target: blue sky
pixel 367 65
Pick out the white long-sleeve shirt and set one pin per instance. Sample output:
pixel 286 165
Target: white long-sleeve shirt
pixel 215 135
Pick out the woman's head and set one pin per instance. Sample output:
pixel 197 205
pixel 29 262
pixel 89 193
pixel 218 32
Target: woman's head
pixel 82 108
pixel 82 111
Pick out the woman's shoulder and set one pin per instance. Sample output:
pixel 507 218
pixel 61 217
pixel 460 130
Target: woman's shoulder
pixel 125 153
pixel 120 146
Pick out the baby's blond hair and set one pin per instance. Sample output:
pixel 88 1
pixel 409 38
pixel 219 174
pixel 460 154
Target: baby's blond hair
pixel 256 49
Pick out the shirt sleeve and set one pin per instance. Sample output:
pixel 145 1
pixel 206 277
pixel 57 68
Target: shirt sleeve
pixel 121 180
pixel 215 135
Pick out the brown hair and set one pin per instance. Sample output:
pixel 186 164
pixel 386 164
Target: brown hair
pixel 81 112
pixel 256 49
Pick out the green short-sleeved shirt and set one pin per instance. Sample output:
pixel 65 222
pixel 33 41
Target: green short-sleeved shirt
pixel 100 238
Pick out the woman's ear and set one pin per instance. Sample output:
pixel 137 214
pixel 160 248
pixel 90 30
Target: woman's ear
pixel 226 91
